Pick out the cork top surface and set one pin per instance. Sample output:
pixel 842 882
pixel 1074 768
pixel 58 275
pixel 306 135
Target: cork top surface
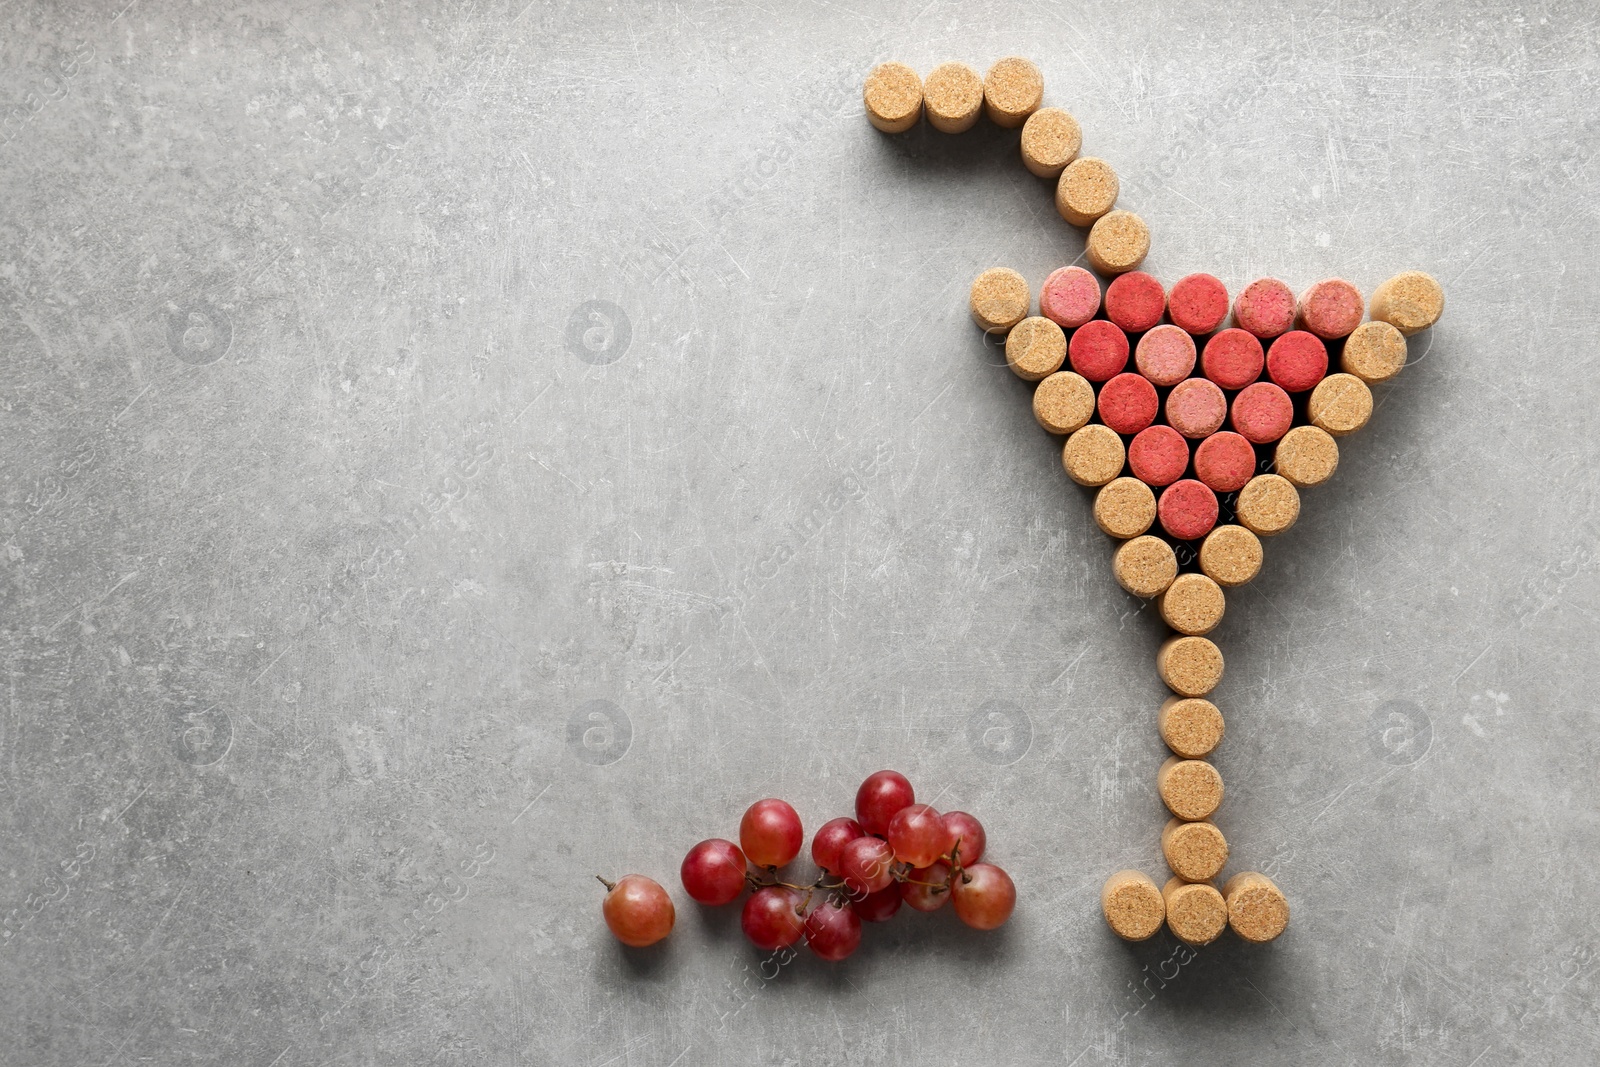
pixel 1036 348
pixel 893 92
pixel 1268 505
pixel 1196 851
pixel 1191 666
pixel 1000 298
pixel 1191 789
pixel 1190 726
pixel 953 91
pixel 1093 455
pixel 1124 508
pixel 1230 555
pixel 1331 308
pixel 1257 909
pixel 1340 404
pixel 1411 301
pixel 1051 137
pixel 1145 566
pixel 1374 352
pixel 1013 89
pixel 1087 189
pixel 1193 604
pixel 1133 906
pixel 1063 402
pixel 1196 914
pixel 1307 456
pixel 1118 242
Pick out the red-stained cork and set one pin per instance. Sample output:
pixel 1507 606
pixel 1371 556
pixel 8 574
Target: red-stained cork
pixel 1196 408
pixel 1298 360
pixel 1098 350
pixel 1266 308
pixel 1233 359
pixel 1198 303
pixel 1262 413
pixel 1128 403
pixel 1188 509
pixel 1331 308
pixel 1165 355
pixel 1225 461
pixel 1070 297
pixel 1135 301
pixel 1158 456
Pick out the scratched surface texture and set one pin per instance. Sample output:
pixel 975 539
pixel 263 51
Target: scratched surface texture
pixel 452 450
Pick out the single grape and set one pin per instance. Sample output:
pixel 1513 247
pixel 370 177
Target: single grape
pixel 713 871
pixel 866 865
pixel 833 836
pixel 934 893
pixel 984 896
pixel 880 796
pixel 771 918
pixel 918 835
pixel 638 910
pixel 832 931
pixel 770 833
pixel 877 907
pixel 970 832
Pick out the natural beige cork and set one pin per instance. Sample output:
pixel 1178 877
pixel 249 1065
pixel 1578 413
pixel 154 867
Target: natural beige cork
pixel 1268 504
pixel 1133 906
pixel 1124 508
pixel 1093 455
pixel 1000 299
pixel 1191 666
pixel 1306 456
pixel 893 97
pixel 1375 352
pixel 1257 909
pixel 1051 139
pixel 1190 788
pixel 1230 556
pixel 1035 348
pixel 1340 404
pixel 1410 301
pixel 1118 242
pixel 1193 604
pixel 1063 402
pixel 1088 188
pixel 1196 913
pixel 1012 90
pixel 1190 726
pixel 1196 851
pixel 1145 566
pixel 953 95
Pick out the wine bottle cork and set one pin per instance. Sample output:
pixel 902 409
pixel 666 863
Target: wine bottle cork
pixel 1196 852
pixel 1098 350
pixel 1124 508
pixel 1133 906
pixel 1196 912
pixel 1191 667
pixel 1135 301
pixel 1064 402
pixel 1093 455
pixel 1070 297
pixel 1190 726
pixel 1035 348
pixel 1267 505
pixel 1188 509
pixel 1330 309
pixel 1086 190
pixel 1265 308
pixel 1233 358
pixel 1257 909
pixel 1225 461
pixel 893 97
pixel 953 96
pixel 1297 361
pixel 1051 139
pixel 1262 413
pixel 1118 242
pixel 1410 302
pixel 1198 303
pixel 1158 456
pixel 1165 355
pixel 1374 352
pixel 1190 788
pixel 1145 566
pixel 1128 403
pixel 1230 556
pixel 1340 404
pixel 1193 604
pixel 1306 456
pixel 1196 408
pixel 1000 299
pixel 1012 90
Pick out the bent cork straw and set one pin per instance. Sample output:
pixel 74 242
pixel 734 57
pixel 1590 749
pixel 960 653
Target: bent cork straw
pixel 1134 908
pixel 1196 912
pixel 893 97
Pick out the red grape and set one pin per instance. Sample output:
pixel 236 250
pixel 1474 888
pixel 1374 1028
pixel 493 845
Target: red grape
pixel 771 833
pixel 832 931
pixel 713 871
pixel 879 797
pixel 833 836
pixel 878 907
pixel 867 865
pixel 771 918
pixel 927 897
pixel 918 835
pixel 638 910
pixel 970 831
pixel 984 896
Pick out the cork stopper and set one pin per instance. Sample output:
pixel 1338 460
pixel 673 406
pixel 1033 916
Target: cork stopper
pixel 893 97
pixel 1069 297
pixel 1133 906
pixel 1306 456
pixel 1000 299
pixel 953 95
pixel 1268 505
pixel 1196 851
pixel 1166 355
pixel 1190 788
pixel 1118 242
pixel 1158 455
pixel 1340 404
pixel 1193 604
pixel 1035 348
pixel 1012 90
pixel 1050 140
pixel 1196 913
pixel 1410 302
pixel 1124 508
pixel 1063 402
pixel 1330 309
pixel 1257 909
pixel 1230 556
pixel 1191 667
pixel 1190 726
pixel 1088 188
pixel 1374 352
pixel 1145 566
pixel 1093 455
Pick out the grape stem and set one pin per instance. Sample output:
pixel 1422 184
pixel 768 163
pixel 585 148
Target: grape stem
pixel 821 883
pixel 608 885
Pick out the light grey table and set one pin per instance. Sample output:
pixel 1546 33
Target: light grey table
pixel 452 450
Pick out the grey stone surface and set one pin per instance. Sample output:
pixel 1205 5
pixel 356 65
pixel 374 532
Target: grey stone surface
pixel 451 450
